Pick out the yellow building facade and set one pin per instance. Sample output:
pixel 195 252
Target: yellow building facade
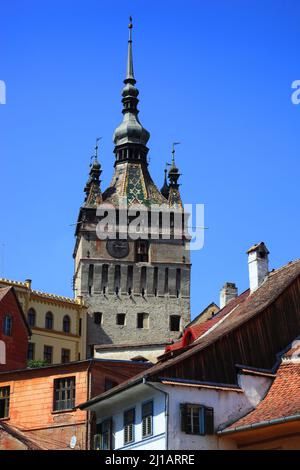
pixel 58 324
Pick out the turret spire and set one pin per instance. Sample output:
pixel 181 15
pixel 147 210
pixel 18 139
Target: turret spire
pixel 92 187
pixel 174 194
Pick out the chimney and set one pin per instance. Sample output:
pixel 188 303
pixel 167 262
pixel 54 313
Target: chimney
pixel 228 292
pixel 28 283
pixel 258 262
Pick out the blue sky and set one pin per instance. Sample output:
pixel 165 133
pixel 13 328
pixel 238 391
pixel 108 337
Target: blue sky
pixel 215 75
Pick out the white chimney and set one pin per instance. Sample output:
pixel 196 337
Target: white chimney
pixel 227 293
pixel 258 262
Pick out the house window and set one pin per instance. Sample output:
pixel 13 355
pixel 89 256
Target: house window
pixel 98 318
pixel 197 419
pixel 31 315
pixel 103 437
pixel 129 418
pixel 141 251
pixel 49 321
pixel 147 419
pixel 121 317
pixel 4 402
pixel 65 355
pixel 108 384
pixel 30 351
pixel 175 322
pixel 48 354
pixel 7 325
pixel 66 324
pixel 142 320
pixel 64 394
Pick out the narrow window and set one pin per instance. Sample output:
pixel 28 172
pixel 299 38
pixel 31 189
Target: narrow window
pixel 49 321
pixel 175 322
pixel 66 324
pixel 103 436
pixel 48 354
pixel 143 280
pixel 142 320
pixel 30 351
pixel 80 327
pixel 31 315
pixel 178 281
pixel 117 280
pixel 98 318
pixel 147 419
pixel 91 278
pixel 129 279
pixel 141 251
pixel 65 355
pixel 121 318
pixel 4 402
pixel 197 419
pixel 7 325
pixel 64 394
pixel 104 279
pixel 129 418
pixel 166 289
pixel 155 280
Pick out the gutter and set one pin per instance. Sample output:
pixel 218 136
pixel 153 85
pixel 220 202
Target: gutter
pixel 166 408
pixel 261 424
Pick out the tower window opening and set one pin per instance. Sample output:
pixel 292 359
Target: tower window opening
pixel 178 281
pixel 143 280
pixel 98 318
pixel 166 289
pixel 121 319
pixel 175 323
pixel 117 280
pixel 142 320
pixel 129 279
pixel 91 278
pixel 104 278
pixel 155 280
pixel 142 251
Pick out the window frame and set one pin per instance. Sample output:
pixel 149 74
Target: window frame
pixel 63 350
pixel 172 318
pixel 68 319
pixel 51 348
pixel 6 399
pixel 118 316
pixel 7 330
pixel 96 316
pixel 104 429
pixel 49 317
pixel 33 351
pixel 61 390
pixel 144 418
pixel 31 314
pixel 129 426
pixel 146 318
pixel 205 419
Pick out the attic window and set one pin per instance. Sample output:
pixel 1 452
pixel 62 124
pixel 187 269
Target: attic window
pixel 197 419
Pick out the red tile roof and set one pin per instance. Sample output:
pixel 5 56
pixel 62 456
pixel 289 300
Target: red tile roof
pixel 282 400
pixel 194 332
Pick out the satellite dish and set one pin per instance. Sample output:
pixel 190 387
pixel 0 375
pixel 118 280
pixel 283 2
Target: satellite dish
pixel 73 442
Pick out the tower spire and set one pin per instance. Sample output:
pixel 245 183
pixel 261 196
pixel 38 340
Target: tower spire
pixel 92 187
pixel 130 74
pixel 130 137
pixel 174 194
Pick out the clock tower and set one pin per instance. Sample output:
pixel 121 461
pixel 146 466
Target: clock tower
pixel 136 282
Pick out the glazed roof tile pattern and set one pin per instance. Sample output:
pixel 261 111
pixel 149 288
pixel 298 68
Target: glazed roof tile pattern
pixel 133 182
pixel 282 400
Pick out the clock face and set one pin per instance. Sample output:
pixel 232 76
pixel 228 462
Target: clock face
pixel 117 248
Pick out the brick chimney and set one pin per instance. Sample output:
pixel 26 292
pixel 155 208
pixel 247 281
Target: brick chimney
pixel 258 263
pixel 228 292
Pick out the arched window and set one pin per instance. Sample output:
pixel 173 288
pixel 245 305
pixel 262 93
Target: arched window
pixel 49 321
pixel 7 325
pixel 66 324
pixel 31 315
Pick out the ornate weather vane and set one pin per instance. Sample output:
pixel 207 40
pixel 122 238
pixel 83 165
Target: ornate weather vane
pixel 95 155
